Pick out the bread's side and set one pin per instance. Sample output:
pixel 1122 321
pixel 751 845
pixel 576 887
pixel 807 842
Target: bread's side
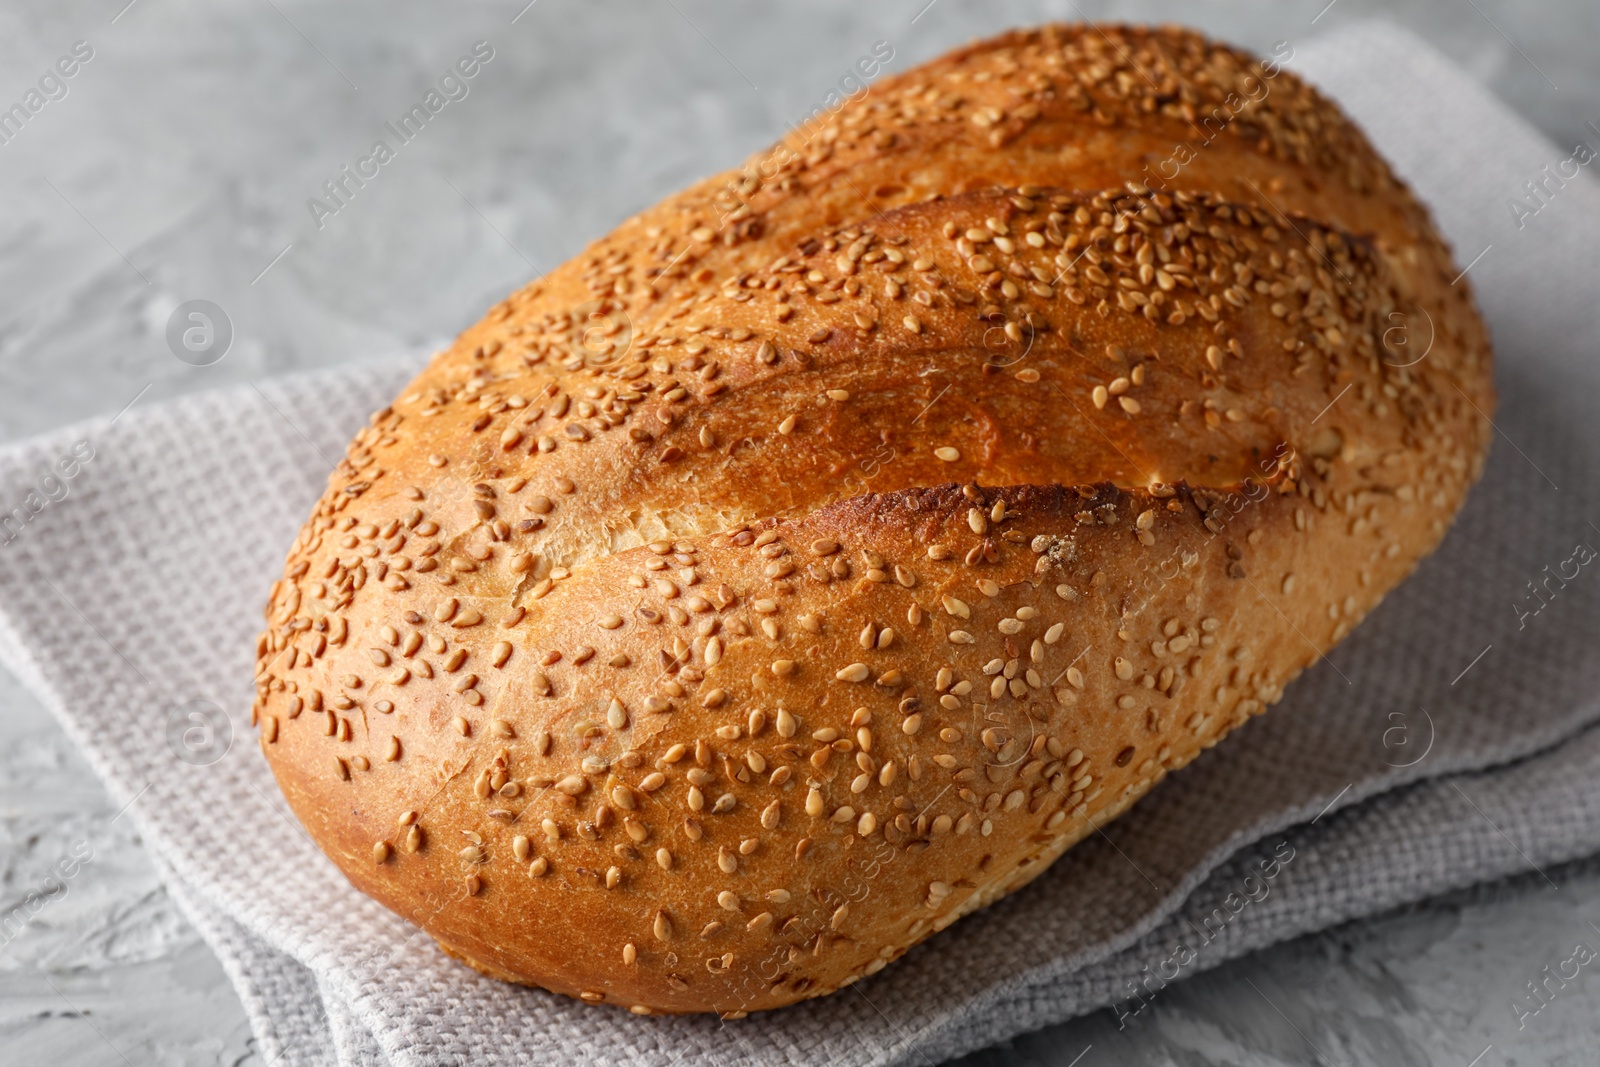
pixel 630 652
pixel 758 808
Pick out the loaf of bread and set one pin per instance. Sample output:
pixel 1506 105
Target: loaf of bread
pixel 813 560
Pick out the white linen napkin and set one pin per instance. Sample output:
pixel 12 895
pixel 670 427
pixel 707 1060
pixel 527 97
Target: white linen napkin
pixel 1450 739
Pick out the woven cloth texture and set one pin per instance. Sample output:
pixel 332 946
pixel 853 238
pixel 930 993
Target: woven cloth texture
pixel 1451 738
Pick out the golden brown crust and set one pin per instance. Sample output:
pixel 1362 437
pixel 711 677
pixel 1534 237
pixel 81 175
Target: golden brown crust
pixel 629 648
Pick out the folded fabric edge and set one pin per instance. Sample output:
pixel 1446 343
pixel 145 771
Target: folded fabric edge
pixel 1348 831
pixel 269 1006
pixel 353 1041
pixel 310 1044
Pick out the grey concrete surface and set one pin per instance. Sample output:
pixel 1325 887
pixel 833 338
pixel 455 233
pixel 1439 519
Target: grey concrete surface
pixel 177 166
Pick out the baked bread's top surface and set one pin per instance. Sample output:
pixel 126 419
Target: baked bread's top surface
pixel 669 596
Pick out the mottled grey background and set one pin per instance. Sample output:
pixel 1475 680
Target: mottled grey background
pixel 177 167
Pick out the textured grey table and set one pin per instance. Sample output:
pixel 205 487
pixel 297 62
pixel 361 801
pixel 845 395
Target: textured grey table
pixel 177 166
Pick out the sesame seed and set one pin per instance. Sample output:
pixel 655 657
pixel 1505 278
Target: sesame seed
pixel 856 672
